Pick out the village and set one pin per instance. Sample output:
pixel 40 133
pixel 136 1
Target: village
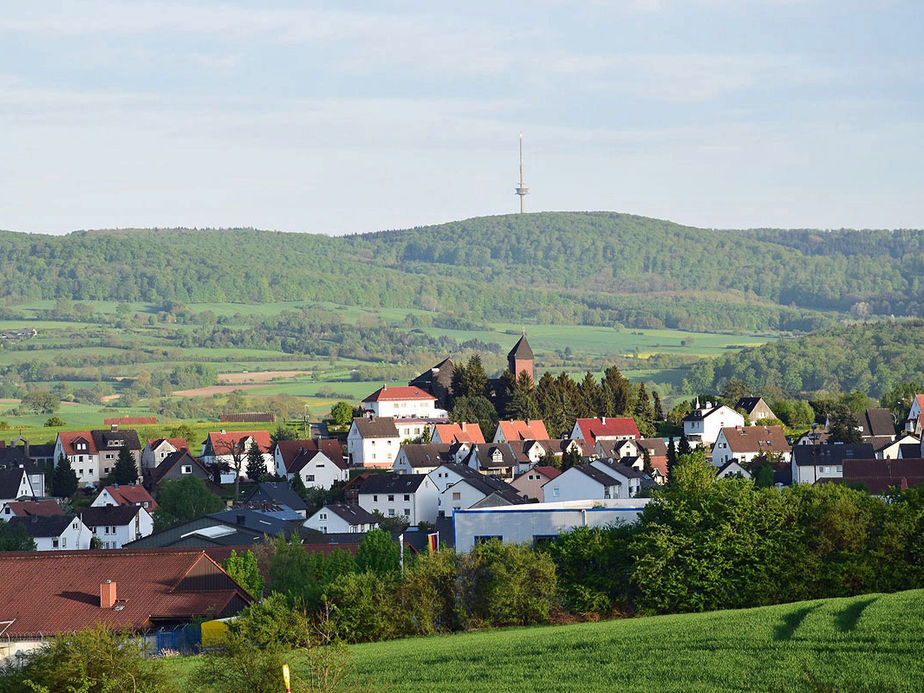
pixel 403 466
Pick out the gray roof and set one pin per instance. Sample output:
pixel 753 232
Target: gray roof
pixel 116 515
pixel 626 470
pixel 253 520
pixel 811 455
pixel 10 479
pixel 351 513
pixel 462 470
pixel 376 427
pixel 428 455
pixel 43 525
pixel 876 422
pixel 597 475
pixel 489 485
pixel 521 350
pixel 278 493
pixel 485 453
pixel 392 483
pixel 173 459
pixel 106 439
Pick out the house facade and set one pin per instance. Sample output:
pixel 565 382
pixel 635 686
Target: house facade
pixel 116 525
pixel 743 443
pixel 530 483
pixel 411 496
pixel 341 518
pixel 402 403
pixel 156 449
pixel 583 482
pixel 373 442
pixel 221 447
pixel 125 494
pixel 476 492
pixel 813 463
pixel 56 532
pixel 702 425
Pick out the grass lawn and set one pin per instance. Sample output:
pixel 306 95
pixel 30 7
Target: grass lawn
pixel 873 642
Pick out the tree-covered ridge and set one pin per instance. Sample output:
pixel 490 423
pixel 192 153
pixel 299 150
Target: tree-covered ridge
pixel 584 268
pixel 869 358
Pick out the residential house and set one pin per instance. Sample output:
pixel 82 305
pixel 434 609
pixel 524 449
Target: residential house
pixel 411 496
pixel 131 591
pixel 15 485
pixel 582 482
pixel 314 468
pixel 55 532
pixel 238 527
pixel 176 465
pixel 14 457
pixel 477 492
pixel 116 525
pixel 631 480
pixel 755 408
pixel 874 423
pixel 109 443
pixel 529 484
pixel 914 423
pixel 286 451
pixel 702 425
pixel 373 442
pixel 606 428
pixel 449 473
pixel 457 433
pixel 403 402
pixel 730 469
pixel 878 476
pixel 93 454
pixel 28 508
pixel 156 449
pixel 893 449
pixel 509 431
pixel 494 460
pixel 437 381
pixel 279 493
pixel 744 443
pixel 424 458
pixel 222 447
pixel 125 494
pixel 529 453
pixel 342 518
pixel 811 463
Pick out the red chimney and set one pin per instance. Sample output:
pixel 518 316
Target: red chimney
pixel 107 594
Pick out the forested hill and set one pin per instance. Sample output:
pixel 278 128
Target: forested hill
pixel 592 268
pixel 869 358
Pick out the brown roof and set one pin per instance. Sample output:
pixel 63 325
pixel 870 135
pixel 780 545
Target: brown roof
pixel 222 442
pixel 656 446
pixel 289 450
pixel 51 592
pixel 879 475
pixel 377 427
pixel 35 507
pixel 132 494
pixel 399 393
pixel 524 430
pixel 68 438
pixel 756 439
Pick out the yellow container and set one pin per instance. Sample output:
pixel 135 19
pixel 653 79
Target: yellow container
pixel 213 633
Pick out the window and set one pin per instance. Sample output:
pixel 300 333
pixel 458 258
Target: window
pixel 543 539
pixel 391 512
pixel 105 470
pixel 322 516
pixel 488 537
pixel 407 512
pixel 456 495
pixel 375 499
pixel 407 496
pixel 391 497
pixel 63 542
pixel 555 492
pixel 54 543
pixel 309 477
pixel 186 469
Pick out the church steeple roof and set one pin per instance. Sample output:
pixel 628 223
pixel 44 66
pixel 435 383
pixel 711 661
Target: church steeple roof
pixel 521 350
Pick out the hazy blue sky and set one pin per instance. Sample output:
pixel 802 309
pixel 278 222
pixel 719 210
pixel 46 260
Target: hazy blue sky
pixel 345 116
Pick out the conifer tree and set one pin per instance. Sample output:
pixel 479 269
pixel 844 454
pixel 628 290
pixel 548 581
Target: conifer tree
pixel 125 470
pixel 65 478
pixel 256 467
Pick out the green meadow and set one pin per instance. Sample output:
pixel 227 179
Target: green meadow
pixel 873 642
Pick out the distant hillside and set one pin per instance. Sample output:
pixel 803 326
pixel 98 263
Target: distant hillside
pixel 867 358
pixel 568 267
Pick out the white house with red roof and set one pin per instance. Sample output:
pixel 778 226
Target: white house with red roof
pixel 125 494
pixel 81 452
pixel 606 428
pixel 402 402
pixel 222 446
pixel 702 425
pixel 157 449
pixel 743 443
pixel 509 431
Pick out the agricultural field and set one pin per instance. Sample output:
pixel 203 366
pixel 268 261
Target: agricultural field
pixel 873 642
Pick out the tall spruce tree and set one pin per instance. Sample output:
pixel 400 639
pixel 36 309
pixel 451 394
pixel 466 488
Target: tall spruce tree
pixel 256 467
pixel 684 448
pixel 590 404
pixel 125 470
pixel 65 478
pixel 671 459
pixel 617 393
pixel 656 406
pixel 523 405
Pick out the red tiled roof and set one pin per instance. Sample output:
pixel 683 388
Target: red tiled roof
pixel 608 427
pixel 131 420
pixel 548 472
pixel 221 442
pixel 460 433
pixel 524 430
pixel 390 394
pixel 40 508
pixel 331 447
pixel 127 494
pixel 879 475
pixel 59 591
pixel 67 442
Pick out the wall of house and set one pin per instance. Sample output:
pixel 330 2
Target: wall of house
pixel 459 496
pixel 329 523
pixel 442 478
pixel 405 409
pixel 574 485
pixel 321 472
pixel 530 484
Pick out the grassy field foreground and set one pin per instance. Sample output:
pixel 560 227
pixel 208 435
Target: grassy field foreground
pixel 873 642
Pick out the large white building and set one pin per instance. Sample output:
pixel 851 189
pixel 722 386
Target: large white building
pixel 408 402
pixel 539 522
pixel 373 442
pixel 116 525
pixel 341 518
pixel 56 532
pixel 225 446
pixel 743 443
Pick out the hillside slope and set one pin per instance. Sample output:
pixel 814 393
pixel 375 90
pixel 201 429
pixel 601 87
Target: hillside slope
pixel 563 267
pixel 866 643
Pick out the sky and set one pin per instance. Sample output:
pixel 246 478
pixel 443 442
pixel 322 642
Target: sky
pixel 345 117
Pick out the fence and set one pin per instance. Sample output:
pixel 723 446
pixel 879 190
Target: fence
pixel 184 639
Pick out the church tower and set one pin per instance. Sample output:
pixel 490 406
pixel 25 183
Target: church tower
pixel 520 359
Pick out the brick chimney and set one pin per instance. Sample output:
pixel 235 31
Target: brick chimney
pixel 107 594
pixel 113 428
